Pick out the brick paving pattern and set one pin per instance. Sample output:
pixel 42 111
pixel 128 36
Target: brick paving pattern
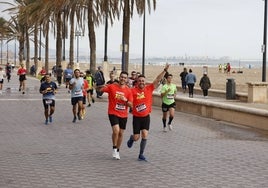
pixel 199 152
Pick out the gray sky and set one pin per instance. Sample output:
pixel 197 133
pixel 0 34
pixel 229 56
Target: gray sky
pixel 213 28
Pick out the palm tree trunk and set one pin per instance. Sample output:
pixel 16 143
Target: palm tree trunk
pixel 71 51
pixel 92 37
pixel 125 37
pixel 47 45
pixel 27 49
pixel 35 44
pixel 59 40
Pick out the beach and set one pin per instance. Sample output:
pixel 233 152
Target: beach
pixel 218 79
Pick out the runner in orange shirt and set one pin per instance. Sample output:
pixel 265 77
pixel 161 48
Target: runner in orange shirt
pixel 120 98
pixel 22 78
pixel 142 107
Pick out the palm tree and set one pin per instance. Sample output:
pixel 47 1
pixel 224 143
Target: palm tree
pixel 128 6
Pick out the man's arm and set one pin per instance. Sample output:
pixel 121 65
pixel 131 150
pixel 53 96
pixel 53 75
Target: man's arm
pixel 160 76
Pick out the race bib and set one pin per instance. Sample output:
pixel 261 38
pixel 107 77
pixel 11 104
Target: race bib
pixel 120 107
pixel 170 96
pixel 48 101
pixel 77 92
pixel 140 108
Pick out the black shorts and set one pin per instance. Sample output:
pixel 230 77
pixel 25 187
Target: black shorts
pixel 140 123
pixel 67 79
pixel 115 120
pixel 166 107
pixel 90 91
pixel 1 81
pixel 75 100
pixel 22 77
pixel 48 102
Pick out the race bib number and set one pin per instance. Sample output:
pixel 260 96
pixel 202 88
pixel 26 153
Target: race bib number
pixel 48 101
pixel 77 92
pixel 170 96
pixel 120 107
pixel 140 108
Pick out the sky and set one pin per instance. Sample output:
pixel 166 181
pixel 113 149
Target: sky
pixel 183 28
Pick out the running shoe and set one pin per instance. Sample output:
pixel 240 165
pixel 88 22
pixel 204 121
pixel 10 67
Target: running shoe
pixel 114 153
pixel 93 100
pixel 164 129
pixel 170 127
pixel 74 120
pixel 130 142
pixel 142 158
pixel 88 105
pixel 50 119
pixel 46 122
pixel 23 92
pixel 117 156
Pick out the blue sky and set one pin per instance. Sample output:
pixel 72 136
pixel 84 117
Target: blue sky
pixel 213 28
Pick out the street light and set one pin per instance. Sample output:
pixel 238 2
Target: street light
pixel 77 34
pixel 264 43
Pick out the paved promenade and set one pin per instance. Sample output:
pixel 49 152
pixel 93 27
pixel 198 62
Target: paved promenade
pixel 198 153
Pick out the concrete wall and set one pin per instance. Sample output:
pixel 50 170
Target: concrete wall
pixel 255 118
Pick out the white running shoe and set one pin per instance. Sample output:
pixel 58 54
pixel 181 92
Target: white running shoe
pixel 117 156
pixel 170 127
pixel 114 153
pixel 164 129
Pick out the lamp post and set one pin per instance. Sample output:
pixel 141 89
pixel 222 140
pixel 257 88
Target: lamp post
pixel 7 51
pixel 77 34
pixel 143 44
pixel 40 44
pixel 264 43
pixel 105 42
pixel 1 51
pixel 15 51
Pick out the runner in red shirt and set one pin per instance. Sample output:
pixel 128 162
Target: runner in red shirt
pixel 22 77
pixel 120 98
pixel 142 107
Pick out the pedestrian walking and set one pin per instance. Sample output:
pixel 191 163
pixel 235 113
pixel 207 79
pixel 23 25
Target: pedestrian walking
pixel 22 78
pixel 2 76
pixel 205 84
pixel 99 78
pixel 183 82
pixel 142 107
pixel 168 94
pixel 48 89
pixel 190 80
pixel 59 72
pixel 120 98
pixel 76 85
pixel 8 71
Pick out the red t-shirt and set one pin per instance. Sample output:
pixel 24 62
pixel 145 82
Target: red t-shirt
pixel 22 71
pixel 85 88
pixel 142 100
pixel 117 106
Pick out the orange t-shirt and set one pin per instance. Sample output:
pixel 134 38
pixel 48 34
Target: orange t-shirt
pixel 85 88
pixel 142 100
pixel 117 106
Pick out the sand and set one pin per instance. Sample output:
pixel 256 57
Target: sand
pixel 218 79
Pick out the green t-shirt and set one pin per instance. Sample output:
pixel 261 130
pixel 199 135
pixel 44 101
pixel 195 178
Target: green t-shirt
pixel 169 98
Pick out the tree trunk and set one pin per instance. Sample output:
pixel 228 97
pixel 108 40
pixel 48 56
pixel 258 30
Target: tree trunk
pixel 27 50
pixel 35 44
pixel 59 40
pixel 71 52
pixel 92 37
pixel 125 37
pixel 47 45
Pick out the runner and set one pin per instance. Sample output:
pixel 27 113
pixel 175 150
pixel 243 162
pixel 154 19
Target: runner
pixel 48 89
pixel 22 78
